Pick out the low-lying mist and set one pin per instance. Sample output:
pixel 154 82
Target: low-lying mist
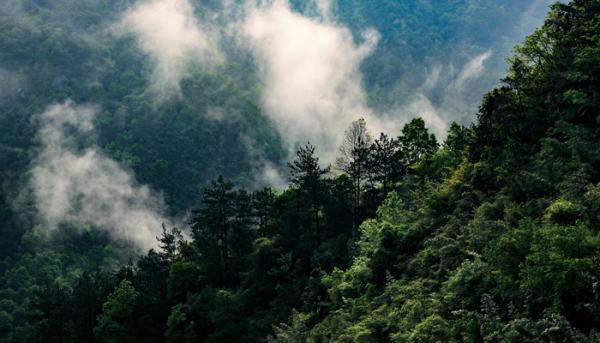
pixel 311 76
pixel 83 187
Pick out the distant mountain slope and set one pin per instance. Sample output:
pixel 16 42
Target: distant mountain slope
pixel 53 50
pixel 426 45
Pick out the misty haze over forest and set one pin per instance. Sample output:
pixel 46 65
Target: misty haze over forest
pixel 295 163
pixel 308 69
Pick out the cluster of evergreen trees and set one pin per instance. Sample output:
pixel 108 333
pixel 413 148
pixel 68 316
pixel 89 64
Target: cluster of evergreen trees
pixel 253 257
pixel 491 237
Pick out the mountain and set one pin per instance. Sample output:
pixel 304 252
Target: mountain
pixel 121 117
pixel 169 114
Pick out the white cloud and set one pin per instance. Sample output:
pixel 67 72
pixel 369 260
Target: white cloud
pixel 472 70
pixel 310 67
pixel 265 173
pixel 268 175
pixel 88 188
pixel 433 78
pixel 169 32
pixel 325 8
pixel 451 88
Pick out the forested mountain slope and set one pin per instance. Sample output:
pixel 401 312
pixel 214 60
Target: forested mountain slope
pixel 506 247
pixel 489 236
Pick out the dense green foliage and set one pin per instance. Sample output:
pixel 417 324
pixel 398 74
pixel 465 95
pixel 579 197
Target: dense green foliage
pixel 492 236
pixel 505 247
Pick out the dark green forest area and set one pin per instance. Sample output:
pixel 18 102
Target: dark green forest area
pixel 489 235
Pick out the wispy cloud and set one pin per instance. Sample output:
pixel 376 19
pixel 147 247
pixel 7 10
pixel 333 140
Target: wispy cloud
pixel 450 86
pixel 471 70
pixel 86 188
pixel 168 31
pixel 310 70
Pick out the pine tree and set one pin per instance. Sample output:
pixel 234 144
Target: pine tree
pixel 353 159
pixel 307 177
pixel 416 142
pixel 418 147
pixel 222 231
pixel 386 163
pixel 170 241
